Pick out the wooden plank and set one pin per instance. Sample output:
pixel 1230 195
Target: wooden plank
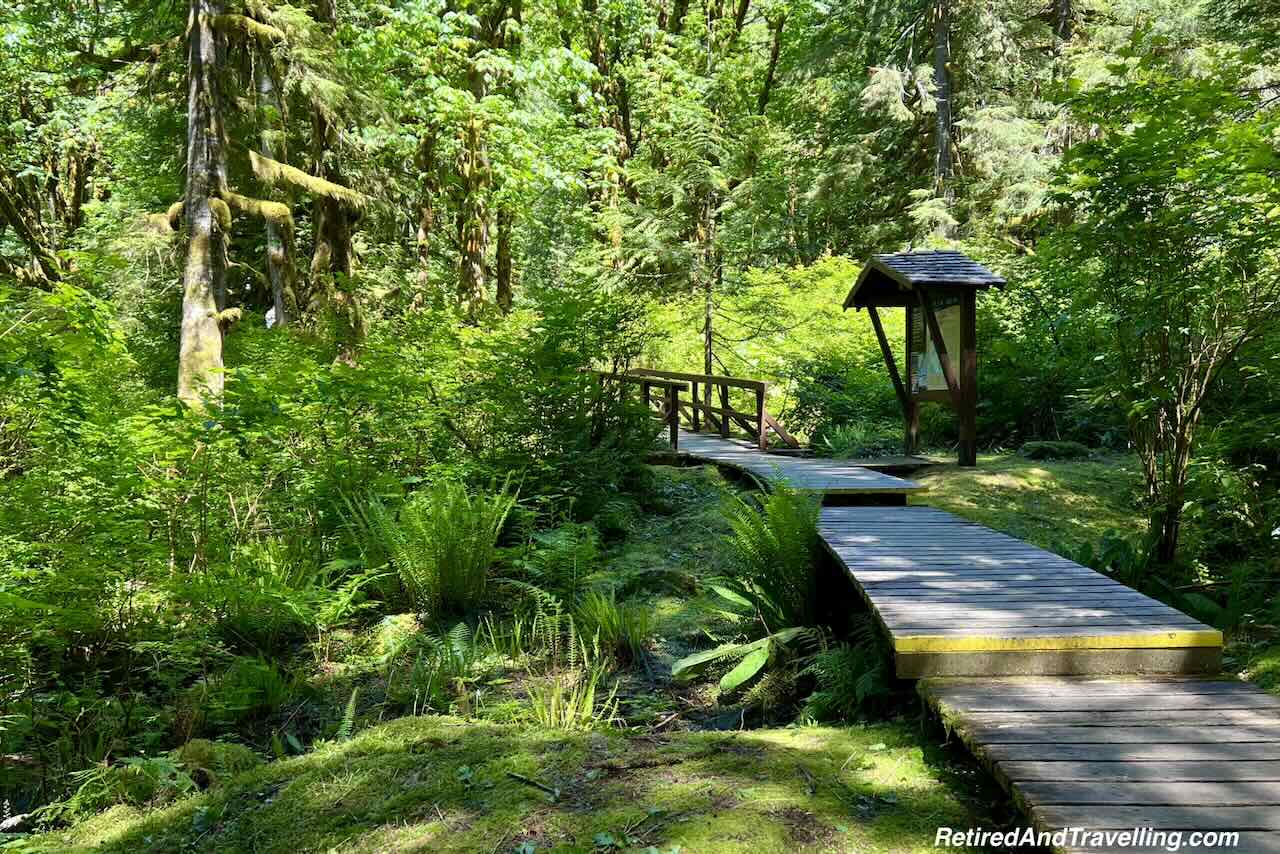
pixel 1186 772
pixel 1132 752
pixel 1209 817
pixel 1155 734
pixel 886 351
pixel 1028 629
pixel 1248 842
pixel 1161 793
pixel 1021 639
pixel 1127 717
pixel 714 379
pixel 962 690
pixel 1059 662
pixel 1136 703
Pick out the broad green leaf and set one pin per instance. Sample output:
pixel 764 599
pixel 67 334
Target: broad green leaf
pixel 747 669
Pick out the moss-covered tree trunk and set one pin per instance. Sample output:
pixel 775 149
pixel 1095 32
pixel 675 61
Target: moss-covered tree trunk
pixel 332 263
pixel 473 226
pixel 505 295
pixel 207 215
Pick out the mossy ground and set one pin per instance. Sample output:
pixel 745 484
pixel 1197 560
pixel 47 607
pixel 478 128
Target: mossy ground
pixel 1044 502
pixel 437 783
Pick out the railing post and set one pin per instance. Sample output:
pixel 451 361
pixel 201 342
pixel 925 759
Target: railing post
pixel 673 416
pixel 762 437
pixel 724 410
pixel 693 410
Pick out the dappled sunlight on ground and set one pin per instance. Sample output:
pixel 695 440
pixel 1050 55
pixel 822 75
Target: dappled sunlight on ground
pixel 1043 502
pixel 443 784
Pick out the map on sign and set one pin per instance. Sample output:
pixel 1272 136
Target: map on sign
pixel 926 368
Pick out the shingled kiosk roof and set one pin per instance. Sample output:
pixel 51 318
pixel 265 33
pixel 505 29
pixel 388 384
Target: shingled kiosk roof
pixel 888 279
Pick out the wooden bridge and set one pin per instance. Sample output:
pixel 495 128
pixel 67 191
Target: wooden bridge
pixel 1095 706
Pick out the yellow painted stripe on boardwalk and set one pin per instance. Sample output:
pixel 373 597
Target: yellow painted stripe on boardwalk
pixel 996 643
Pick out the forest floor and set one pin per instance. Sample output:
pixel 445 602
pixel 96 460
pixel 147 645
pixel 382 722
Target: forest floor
pixel 679 771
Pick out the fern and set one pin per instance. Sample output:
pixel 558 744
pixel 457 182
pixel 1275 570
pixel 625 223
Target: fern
pixel 441 544
pixel 852 678
pixel 773 543
pixel 347 726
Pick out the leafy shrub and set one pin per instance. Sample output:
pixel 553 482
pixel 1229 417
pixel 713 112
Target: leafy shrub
pixel 560 559
pixel 621 629
pixel 860 439
pixel 785 645
pixel 251 689
pixel 136 780
pixel 1054 450
pixel 773 545
pixel 851 678
pixel 441 544
pixel 441 669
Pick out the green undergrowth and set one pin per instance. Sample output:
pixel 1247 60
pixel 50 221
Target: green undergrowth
pixel 467 738
pixel 439 783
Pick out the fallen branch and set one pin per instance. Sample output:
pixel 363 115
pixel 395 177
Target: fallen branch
pixel 529 781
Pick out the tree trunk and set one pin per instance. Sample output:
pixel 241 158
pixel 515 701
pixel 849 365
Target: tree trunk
pixel 943 117
pixel 473 231
pixel 775 50
pixel 426 162
pixel 279 234
pixel 207 215
pixel 1063 23
pixel 506 220
pixel 45 264
pixel 331 265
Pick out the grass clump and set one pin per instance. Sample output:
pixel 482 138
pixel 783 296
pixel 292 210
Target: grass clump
pixel 567 700
pixel 850 678
pixel 861 440
pixel 622 629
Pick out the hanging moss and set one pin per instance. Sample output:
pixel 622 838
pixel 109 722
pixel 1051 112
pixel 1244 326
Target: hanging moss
pixel 274 172
pixel 221 213
pixel 277 212
pixel 231 24
pixel 157 224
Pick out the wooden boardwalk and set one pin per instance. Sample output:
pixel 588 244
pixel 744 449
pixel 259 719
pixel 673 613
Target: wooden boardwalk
pixel 810 474
pixel 1117 754
pixel 1092 704
pixel 958 599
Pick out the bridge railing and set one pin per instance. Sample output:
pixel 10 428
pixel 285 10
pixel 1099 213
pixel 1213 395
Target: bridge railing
pixel 666 407
pixel 702 411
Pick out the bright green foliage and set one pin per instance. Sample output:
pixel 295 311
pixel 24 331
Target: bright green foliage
pixel 774 545
pixel 518 192
pixel 851 678
pixel 441 544
pixel 1176 216
pixel 567 700
pixel 621 628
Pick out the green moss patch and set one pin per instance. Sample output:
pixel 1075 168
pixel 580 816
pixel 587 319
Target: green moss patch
pixel 444 784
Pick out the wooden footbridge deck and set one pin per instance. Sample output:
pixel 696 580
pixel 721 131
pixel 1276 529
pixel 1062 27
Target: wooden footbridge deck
pixel 1095 706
